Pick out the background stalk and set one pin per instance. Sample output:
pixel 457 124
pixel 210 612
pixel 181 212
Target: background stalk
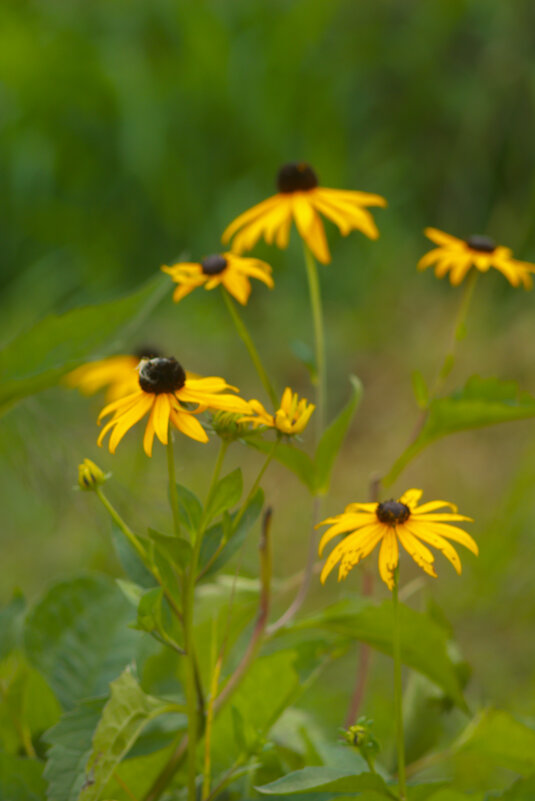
pixel 173 495
pixel 316 307
pixel 398 690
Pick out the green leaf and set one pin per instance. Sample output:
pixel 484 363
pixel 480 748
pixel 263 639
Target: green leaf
pixel 149 611
pixel 138 772
pixel 291 457
pixel 189 508
pixel 424 644
pixel 176 549
pixel 226 494
pixel 123 719
pixel 482 402
pixel 232 536
pixel 449 794
pixel 38 358
pixel 257 703
pixel 21 779
pixel 497 737
pixel 130 561
pixel 78 637
pixel 327 780
pixel 420 389
pixel 333 437
pixel 70 742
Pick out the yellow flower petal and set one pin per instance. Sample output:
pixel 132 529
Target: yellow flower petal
pixel 388 558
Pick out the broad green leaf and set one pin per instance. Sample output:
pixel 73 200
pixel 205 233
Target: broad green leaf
pixel 78 637
pixel 176 549
pixel 333 438
pixel 291 457
pixel 501 740
pixel 420 389
pixel 11 625
pixel 130 561
pixel 38 358
pixel 28 707
pixel 265 691
pixel 21 779
pixel 521 790
pixel 230 535
pixel 70 742
pixel 226 494
pixel 139 773
pixel 323 779
pixel 123 718
pixel 424 644
pixel 482 402
pixel 449 794
pixel 190 508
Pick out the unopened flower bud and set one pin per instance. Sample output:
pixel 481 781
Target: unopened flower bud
pixel 89 475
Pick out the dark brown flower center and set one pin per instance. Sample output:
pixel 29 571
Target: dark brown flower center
pixel 161 375
pixel 147 352
pixel 392 512
pixel 213 265
pixel 482 243
pixel 296 177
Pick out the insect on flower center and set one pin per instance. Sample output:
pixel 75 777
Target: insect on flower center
pixel 392 512
pixel 296 177
pixel 213 265
pixel 482 243
pixel 161 375
pixel 147 352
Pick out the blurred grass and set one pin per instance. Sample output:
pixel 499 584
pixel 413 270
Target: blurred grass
pixel 131 133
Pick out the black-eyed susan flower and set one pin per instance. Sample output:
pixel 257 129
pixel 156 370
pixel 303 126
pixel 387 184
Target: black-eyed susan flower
pixel 458 256
pixel 291 418
pixel 226 269
pixel 301 199
pixel 392 523
pixel 118 374
pixel 170 397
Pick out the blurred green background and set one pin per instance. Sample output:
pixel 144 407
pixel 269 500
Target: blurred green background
pixel 131 133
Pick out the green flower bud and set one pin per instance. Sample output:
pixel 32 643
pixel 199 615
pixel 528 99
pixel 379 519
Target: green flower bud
pixel 90 475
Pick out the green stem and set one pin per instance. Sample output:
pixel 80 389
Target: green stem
pixel 459 332
pixel 249 344
pixel 118 520
pixel 319 337
pixel 256 483
pixel 398 691
pixel 193 695
pixel 173 494
pixel 447 365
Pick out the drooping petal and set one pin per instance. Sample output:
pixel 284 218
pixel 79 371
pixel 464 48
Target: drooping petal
pixel 417 550
pixel 160 415
pixel 361 548
pixel 188 425
pixel 388 558
pixel 430 506
pixel 427 534
pixel 449 532
pixel 247 217
pixel 343 524
pixel 126 421
pixel 238 286
pixel 349 544
pixel 443 239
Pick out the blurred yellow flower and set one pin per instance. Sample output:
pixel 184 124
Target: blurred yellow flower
pixel 291 418
pixel 457 256
pixel 166 393
pixel 226 269
pixel 392 523
pixel 117 373
pixel 301 199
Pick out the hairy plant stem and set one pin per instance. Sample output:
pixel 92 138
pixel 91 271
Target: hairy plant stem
pixel 398 690
pixel 249 344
